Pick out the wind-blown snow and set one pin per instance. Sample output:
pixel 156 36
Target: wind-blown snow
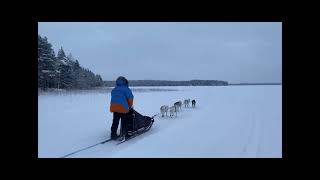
pixel 228 121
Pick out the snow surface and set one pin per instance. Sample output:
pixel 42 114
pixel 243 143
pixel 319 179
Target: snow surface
pixel 228 121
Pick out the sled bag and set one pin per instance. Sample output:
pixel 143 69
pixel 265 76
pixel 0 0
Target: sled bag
pixel 137 121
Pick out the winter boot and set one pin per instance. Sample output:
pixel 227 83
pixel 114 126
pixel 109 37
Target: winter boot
pixel 114 136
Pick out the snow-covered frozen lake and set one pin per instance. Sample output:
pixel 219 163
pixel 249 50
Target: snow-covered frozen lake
pixel 228 121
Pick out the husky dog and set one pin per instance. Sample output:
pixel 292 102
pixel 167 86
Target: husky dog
pixel 193 103
pixel 186 102
pixel 178 105
pixel 172 111
pixel 164 109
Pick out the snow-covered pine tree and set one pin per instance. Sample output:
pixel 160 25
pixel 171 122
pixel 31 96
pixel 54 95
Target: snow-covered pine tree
pixel 64 70
pixel 99 81
pixel 46 64
pixel 75 73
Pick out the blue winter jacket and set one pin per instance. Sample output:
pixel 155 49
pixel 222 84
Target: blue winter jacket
pixel 121 97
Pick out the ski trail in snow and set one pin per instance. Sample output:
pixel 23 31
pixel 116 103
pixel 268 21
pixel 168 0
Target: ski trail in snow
pixel 83 149
pixel 106 148
pixel 254 139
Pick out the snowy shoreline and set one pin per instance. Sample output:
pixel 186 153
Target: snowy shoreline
pixel 102 90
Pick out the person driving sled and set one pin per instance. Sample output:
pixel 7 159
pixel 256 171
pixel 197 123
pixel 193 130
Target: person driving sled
pixel 121 103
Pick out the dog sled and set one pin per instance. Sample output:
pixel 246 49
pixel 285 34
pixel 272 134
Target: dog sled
pixel 137 124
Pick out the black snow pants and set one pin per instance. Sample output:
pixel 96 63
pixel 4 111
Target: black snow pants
pixel 124 123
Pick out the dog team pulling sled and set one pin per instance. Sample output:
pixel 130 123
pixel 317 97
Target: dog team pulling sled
pixel 133 124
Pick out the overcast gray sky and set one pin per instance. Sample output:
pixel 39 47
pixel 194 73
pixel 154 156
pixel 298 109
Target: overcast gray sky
pixel 235 51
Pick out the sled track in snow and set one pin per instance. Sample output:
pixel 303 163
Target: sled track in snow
pixel 102 142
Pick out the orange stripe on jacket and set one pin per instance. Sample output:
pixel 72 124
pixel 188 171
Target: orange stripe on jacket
pixel 114 107
pixel 130 102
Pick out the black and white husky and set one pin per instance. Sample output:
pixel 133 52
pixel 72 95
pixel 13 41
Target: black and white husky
pixel 186 102
pixel 193 103
pixel 164 109
pixel 173 110
pixel 178 105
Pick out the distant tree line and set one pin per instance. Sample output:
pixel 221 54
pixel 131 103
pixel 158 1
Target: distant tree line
pixel 247 84
pixel 61 71
pixel 171 83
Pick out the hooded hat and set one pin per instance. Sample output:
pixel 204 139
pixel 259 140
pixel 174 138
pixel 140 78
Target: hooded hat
pixel 122 81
